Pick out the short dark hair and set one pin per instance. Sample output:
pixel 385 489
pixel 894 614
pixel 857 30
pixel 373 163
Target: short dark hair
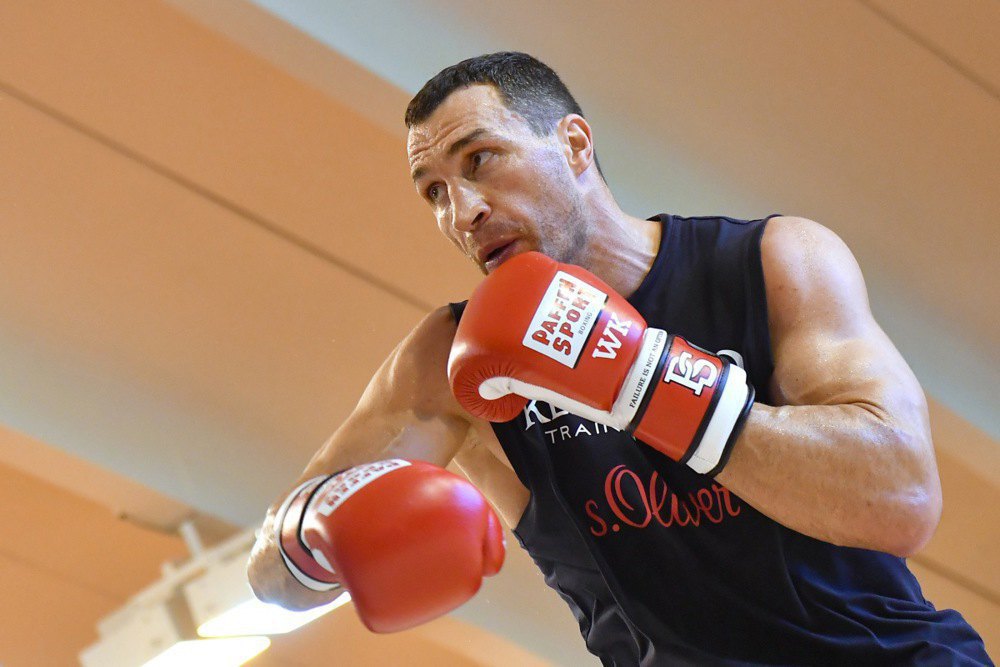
pixel 526 85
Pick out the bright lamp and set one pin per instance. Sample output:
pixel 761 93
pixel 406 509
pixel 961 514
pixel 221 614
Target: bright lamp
pixel 222 604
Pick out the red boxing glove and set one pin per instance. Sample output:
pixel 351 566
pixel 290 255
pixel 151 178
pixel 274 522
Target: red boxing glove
pixel 538 329
pixel 410 541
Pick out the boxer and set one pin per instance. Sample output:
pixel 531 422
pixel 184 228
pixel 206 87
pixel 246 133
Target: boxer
pixel 694 425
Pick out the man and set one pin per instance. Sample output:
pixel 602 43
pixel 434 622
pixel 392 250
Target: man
pixel 791 549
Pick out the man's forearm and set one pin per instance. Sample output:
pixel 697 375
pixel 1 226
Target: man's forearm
pixel 840 473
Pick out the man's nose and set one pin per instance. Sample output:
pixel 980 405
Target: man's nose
pixel 469 209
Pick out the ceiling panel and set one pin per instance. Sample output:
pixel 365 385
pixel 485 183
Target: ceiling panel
pixel 964 32
pixel 66 563
pixel 47 630
pixel 961 544
pixel 141 320
pixel 184 100
pixel 55 539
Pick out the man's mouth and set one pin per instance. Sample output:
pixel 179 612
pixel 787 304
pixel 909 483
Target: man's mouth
pixel 499 255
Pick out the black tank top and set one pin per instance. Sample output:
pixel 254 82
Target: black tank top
pixel 664 566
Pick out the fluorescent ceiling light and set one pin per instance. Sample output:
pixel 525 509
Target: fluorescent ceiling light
pixel 160 634
pixel 222 604
pixel 211 592
pixel 254 617
pixel 229 652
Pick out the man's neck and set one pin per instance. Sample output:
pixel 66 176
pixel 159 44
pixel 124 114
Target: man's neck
pixel 621 248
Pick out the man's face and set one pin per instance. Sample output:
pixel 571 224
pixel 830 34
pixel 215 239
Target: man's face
pixel 495 187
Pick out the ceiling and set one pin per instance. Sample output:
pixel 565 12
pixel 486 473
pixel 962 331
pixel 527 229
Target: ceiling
pixel 208 238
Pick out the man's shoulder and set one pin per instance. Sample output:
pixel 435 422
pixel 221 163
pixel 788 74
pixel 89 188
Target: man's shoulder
pixel 811 276
pixel 791 240
pixel 415 375
pixel 429 342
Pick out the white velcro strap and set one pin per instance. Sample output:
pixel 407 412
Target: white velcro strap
pixel 300 576
pixel 305 579
pixel 640 376
pixel 723 421
pixel 279 516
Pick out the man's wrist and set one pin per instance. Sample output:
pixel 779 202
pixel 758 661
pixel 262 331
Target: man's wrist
pixel 295 554
pixel 695 406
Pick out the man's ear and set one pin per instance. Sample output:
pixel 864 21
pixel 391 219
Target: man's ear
pixel 578 144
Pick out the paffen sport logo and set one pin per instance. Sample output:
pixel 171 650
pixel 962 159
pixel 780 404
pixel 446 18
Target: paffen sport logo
pixel 564 318
pixel 339 488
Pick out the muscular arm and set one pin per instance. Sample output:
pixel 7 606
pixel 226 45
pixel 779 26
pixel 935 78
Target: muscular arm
pixel 846 456
pixel 407 411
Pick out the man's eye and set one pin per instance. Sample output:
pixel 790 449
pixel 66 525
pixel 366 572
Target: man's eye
pixel 479 158
pixel 434 192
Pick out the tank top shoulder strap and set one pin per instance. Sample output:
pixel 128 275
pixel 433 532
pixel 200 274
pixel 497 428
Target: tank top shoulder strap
pixel 457 309
pixel 707 284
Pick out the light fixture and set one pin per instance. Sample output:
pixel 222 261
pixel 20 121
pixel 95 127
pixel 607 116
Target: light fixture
pixel 158 632
pixel 254 617
pixel 225 652
pixel 222 604
pixel 157 627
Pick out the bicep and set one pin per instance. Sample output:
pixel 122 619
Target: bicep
pixel 406 411
pixel 828 348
